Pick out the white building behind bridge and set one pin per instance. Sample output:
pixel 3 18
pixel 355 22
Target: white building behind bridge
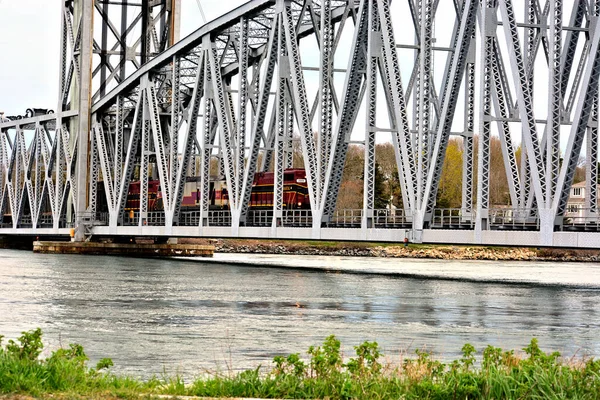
pixel 576 205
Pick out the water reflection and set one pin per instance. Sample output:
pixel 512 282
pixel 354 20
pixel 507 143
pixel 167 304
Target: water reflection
pixel 152 315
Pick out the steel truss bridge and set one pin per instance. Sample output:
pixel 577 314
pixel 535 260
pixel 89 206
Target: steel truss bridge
pixel 134 101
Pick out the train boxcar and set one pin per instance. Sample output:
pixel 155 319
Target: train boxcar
pixel 133 197
pixel 295 190
pixel 217 192
pixel 295 193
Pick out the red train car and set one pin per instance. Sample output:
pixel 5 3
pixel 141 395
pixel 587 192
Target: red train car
pixel 133 196
pixel 191 197
pixel 295 193
pixel 295 190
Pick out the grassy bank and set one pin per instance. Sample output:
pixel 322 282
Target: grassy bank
pixel 496 374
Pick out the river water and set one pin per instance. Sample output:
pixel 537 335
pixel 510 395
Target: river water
pixel 175 316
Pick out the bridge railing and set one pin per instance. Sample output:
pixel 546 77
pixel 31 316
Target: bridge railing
pixel 259 218
pixel 219 218
pixel 93 218
pixel 453 218
pixel 382 219
pixel 514 219
pixel 131 218
pixel 346 219
pixel 444 218
pixel 26 221
pixel 215 218
pixel 45 221
pixel 397 218
pixel 6 222
pixel 190 218
pixel 154 218
pixel 297 218
pixel 584 219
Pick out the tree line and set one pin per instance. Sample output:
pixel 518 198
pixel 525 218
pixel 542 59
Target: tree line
pixel 387 183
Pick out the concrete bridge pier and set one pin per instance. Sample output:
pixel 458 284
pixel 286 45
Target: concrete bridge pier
pixel 546 226
pixel 418 226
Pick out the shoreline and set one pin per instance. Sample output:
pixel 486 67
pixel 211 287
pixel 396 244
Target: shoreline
pixel 397 250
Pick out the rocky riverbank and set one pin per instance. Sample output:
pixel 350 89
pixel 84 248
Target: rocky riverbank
pixel 358 249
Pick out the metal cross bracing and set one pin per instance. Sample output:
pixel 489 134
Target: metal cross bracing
pixel 236 97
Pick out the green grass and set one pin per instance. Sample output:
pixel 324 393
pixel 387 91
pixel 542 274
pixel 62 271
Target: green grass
pixel 324 374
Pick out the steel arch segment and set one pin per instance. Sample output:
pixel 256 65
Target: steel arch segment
pixel 48 156
pixel 371 116
pixel 555 100
pixel 591 171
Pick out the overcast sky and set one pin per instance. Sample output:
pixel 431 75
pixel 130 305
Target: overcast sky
pixel 29 46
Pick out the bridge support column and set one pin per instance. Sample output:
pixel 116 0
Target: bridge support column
pixel 277 222
pixel 481 224
pixel 367 219
pixel 418 224
pixel 83 126
pixel 235 222
pixel 113 221
pixel 546 226
pixel 168 223
pixel 317 219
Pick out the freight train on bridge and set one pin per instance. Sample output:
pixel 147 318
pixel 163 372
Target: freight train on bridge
pixel 295 193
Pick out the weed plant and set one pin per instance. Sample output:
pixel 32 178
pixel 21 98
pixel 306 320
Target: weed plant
pixel 324 375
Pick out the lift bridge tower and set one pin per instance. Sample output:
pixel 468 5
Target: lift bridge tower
pixel 102 43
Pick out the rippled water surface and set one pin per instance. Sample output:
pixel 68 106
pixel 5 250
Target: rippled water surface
pixel 152 316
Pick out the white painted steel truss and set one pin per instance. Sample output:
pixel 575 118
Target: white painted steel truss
pixel 327 73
